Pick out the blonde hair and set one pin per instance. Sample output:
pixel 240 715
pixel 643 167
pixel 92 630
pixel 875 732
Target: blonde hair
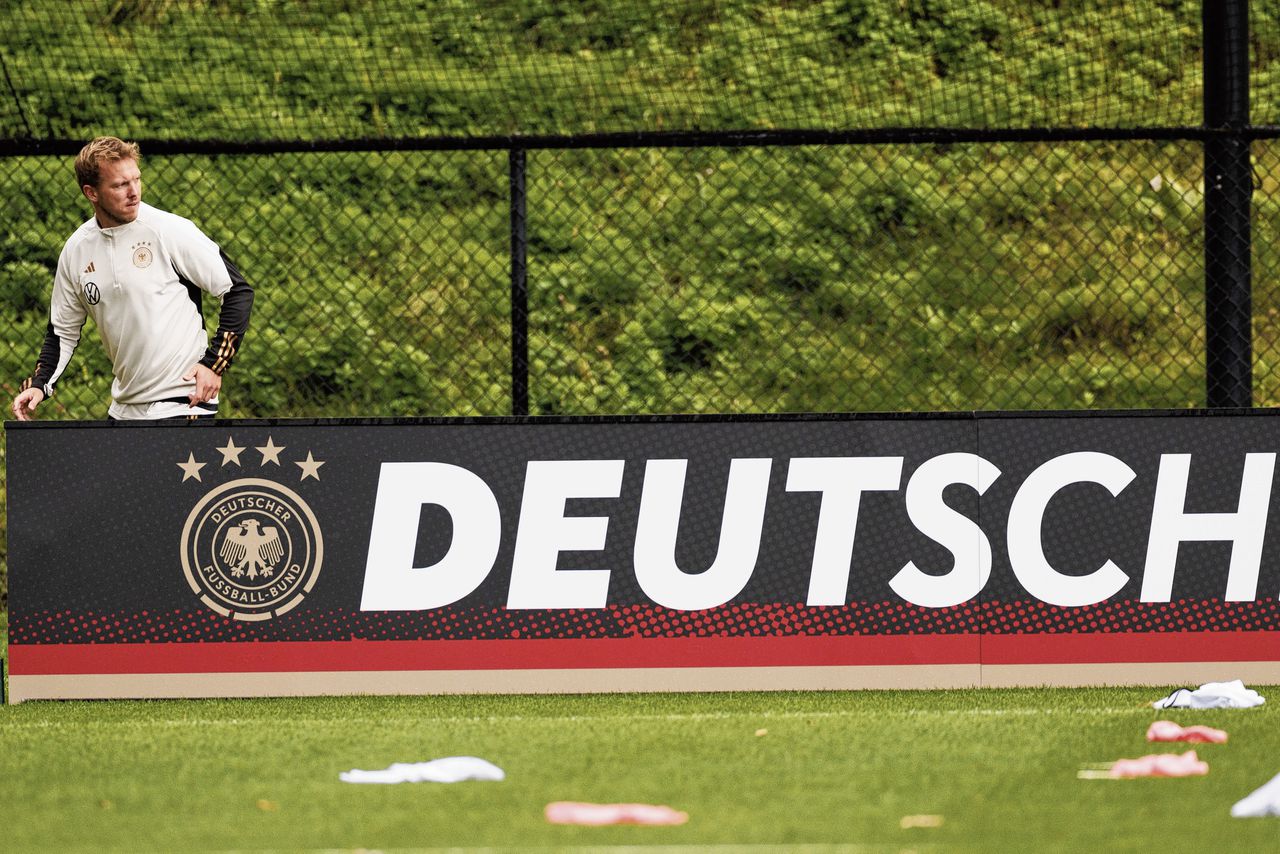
pixel 100 150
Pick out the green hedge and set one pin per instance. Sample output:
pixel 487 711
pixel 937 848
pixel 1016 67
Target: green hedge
pixel 268 70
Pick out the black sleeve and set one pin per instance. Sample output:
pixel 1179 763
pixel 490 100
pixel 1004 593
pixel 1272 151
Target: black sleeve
pixel 233 322
pixel 46 362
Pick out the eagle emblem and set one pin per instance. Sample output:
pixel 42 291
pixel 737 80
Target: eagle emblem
pixel 252 549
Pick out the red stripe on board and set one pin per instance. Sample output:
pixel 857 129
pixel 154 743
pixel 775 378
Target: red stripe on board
pixel 1130 647
pixel 295 656
pixel 801 651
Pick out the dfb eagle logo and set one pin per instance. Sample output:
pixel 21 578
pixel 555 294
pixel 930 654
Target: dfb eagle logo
pixel 249 546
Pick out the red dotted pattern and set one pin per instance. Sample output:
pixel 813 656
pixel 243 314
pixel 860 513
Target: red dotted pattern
pixel 648 621
pixel 1181 615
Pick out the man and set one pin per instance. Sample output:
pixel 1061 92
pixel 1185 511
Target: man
pixel 138 271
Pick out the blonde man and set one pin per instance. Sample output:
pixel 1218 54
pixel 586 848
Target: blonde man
pixel 139 273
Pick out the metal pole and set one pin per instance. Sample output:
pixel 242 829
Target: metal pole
pixel 1228 197
pixel 519 286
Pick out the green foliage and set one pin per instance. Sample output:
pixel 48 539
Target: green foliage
pixel 672 280
pixel 907 278
pixel 358 68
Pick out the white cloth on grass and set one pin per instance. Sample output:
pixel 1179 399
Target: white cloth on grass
pixel 1212 695
pixel 451 769
pixel 1262 802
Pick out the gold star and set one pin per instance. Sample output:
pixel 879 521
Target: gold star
pixel 271 451
pixel 190 468
pixel 310 468
pixel 230 454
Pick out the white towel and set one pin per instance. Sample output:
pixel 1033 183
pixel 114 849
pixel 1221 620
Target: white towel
pixel 1263 802
pixel 1212 695
pixel 451 769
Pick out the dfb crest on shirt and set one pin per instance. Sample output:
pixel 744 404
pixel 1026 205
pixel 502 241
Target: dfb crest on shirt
pixel 142 255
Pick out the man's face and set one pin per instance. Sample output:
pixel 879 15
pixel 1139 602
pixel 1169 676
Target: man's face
pixel 118 194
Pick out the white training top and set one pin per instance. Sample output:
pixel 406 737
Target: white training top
pixel 137 282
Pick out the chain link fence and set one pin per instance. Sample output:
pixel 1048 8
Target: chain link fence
pixel 728 205
pixel 707 279
pixel 397 69
pixel 1266 271
pixel 381 278
pixel 867 278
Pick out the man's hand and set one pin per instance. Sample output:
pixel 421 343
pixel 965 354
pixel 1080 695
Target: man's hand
pixel 24 405
pixel 207 384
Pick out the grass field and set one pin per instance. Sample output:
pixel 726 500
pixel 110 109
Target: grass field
pixel 832 772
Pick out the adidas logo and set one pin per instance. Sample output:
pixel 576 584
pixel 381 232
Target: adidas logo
pixel 89 269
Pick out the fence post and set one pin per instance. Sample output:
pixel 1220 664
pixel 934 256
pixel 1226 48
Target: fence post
pixel 519 285
pixel 1228 194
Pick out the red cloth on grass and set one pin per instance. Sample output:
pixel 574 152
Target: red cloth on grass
pixel 1170 731
pixel 576 812
pixel 1161 765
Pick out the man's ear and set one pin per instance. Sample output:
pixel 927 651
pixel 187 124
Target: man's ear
pixel 90 193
